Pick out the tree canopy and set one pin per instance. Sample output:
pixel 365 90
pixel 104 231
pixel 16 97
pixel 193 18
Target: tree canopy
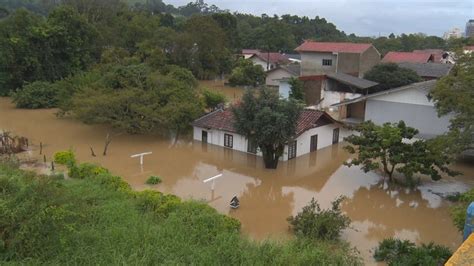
pixel 393 148
pixel 454 94
pixel 268 121
pixel 247 74
pixel 390 75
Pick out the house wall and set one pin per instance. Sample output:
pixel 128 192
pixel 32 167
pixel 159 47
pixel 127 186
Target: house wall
pixel 284 89
pixel 324 139
pixel 333 97
pixel 313 90
pixel 312 63
pixel 368 59
pixel 348 63
pixel 273 76
pixel 422 117
pixel 258 61
pixel 324 133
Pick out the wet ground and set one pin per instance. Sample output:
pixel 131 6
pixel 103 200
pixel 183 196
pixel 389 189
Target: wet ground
pixel 267 197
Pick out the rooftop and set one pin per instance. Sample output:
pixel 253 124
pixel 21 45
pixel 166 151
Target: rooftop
pixel 352 81
pixel 335 47
pixel 398 57
pixel 250 51
pixel 223 119
pixel 293 69
pixel 432 70
pixel 424 85
pixel 272 57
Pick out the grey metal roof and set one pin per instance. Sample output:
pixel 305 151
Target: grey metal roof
pixel 352 81
pixel 434 70
pixel 293 69
pixel 424 85
pixel 294 56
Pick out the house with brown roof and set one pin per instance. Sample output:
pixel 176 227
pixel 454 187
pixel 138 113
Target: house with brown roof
pixel 315 130
pixel 282 72
pixel 408 57
pixel 319 58
pixel 269 61
pixel 247 53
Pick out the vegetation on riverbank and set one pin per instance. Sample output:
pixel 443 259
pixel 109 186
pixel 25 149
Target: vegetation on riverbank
pixel 97 219
pixel 458 211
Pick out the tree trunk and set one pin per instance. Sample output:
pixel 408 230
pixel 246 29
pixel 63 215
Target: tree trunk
pixel 385 168
pixel 107 142
pixel 271 156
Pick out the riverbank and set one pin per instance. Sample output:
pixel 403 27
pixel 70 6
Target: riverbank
pixel 98 219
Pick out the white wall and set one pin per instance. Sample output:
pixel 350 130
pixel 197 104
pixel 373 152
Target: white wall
pixel 333 97
pixel 258 61
pixel 324 133
pixel 284 89
pixel 410 96
pixel 273 77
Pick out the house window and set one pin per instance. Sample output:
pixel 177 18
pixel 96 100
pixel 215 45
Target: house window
pixel 251 147
pixel 228 141
pixel 292 150
pixel 335 136
pixel 327 62
pixel 313 146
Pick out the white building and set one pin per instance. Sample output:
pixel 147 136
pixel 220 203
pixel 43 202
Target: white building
pixel 453 33
pixel 315 130
pixel 269 61
pixel 408 103
pixel 281 72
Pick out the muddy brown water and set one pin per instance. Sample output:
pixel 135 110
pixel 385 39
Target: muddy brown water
pixel 267 197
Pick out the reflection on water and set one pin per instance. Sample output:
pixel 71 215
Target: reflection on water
pixel 267 197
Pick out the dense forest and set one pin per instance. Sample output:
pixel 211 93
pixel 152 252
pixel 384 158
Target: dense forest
pixel 55 53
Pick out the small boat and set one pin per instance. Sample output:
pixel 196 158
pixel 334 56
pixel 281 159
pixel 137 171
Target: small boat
pixel 234 202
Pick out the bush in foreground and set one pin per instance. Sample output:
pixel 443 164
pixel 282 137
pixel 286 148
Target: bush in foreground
pixel 458 212
pixel 99 220
pixel 403 252
pixel 315 223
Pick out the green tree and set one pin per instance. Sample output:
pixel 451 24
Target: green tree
pixel 247 74
pixel 212 99
pixel 454 94
pixel 38 94
pixel 390 75
pixel 297 89
pixel 268 121
pixel 392 147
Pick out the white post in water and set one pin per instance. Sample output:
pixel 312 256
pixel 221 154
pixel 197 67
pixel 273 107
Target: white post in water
pixel 141 156
pixel 213 179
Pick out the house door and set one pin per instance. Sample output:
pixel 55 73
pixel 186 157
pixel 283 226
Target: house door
pixel 204 136
pixel 313 146
pixel 335 136
pixel 292 150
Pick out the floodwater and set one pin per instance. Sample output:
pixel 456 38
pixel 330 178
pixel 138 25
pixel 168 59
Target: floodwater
pixel 232 93
pixel 267 197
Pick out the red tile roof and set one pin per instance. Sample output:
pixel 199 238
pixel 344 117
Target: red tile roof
pixel 274 58
pixel 337 47
pixel 469 48
pixel 399 57
pixel 437 54
pixel 224 120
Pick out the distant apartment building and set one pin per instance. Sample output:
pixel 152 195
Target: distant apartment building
pixel 453 33
pixel 470 28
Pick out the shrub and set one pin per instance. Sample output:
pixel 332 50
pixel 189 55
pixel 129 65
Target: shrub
pixel 85 170
pixel 247 74
pixel 153 180
pixel 404 252
pixel 36 95
pixel 458 212
pixel 66 158
pixel 156 202
pixel 212 99
pixel 315 223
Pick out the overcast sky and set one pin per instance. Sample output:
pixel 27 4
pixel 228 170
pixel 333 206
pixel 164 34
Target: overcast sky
pixel 365 17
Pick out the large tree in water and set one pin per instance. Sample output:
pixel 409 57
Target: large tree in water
pixel 267 121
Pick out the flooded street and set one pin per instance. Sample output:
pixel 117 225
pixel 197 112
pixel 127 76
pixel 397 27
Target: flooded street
pixel 267 197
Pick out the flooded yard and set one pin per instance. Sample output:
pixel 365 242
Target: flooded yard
pixel 267 197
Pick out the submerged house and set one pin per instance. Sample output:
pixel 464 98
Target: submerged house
pixel 315 130
pixel 408 103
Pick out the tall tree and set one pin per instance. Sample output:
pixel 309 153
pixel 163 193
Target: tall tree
pixel 390 75
pixel 268 121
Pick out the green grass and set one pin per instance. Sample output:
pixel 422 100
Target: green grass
pixel 99 220
pixel 153 180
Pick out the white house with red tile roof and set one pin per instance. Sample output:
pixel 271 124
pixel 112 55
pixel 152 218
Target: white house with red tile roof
pixel 269 61
pixel 319 58
pixel 315 130
pixel 247 53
